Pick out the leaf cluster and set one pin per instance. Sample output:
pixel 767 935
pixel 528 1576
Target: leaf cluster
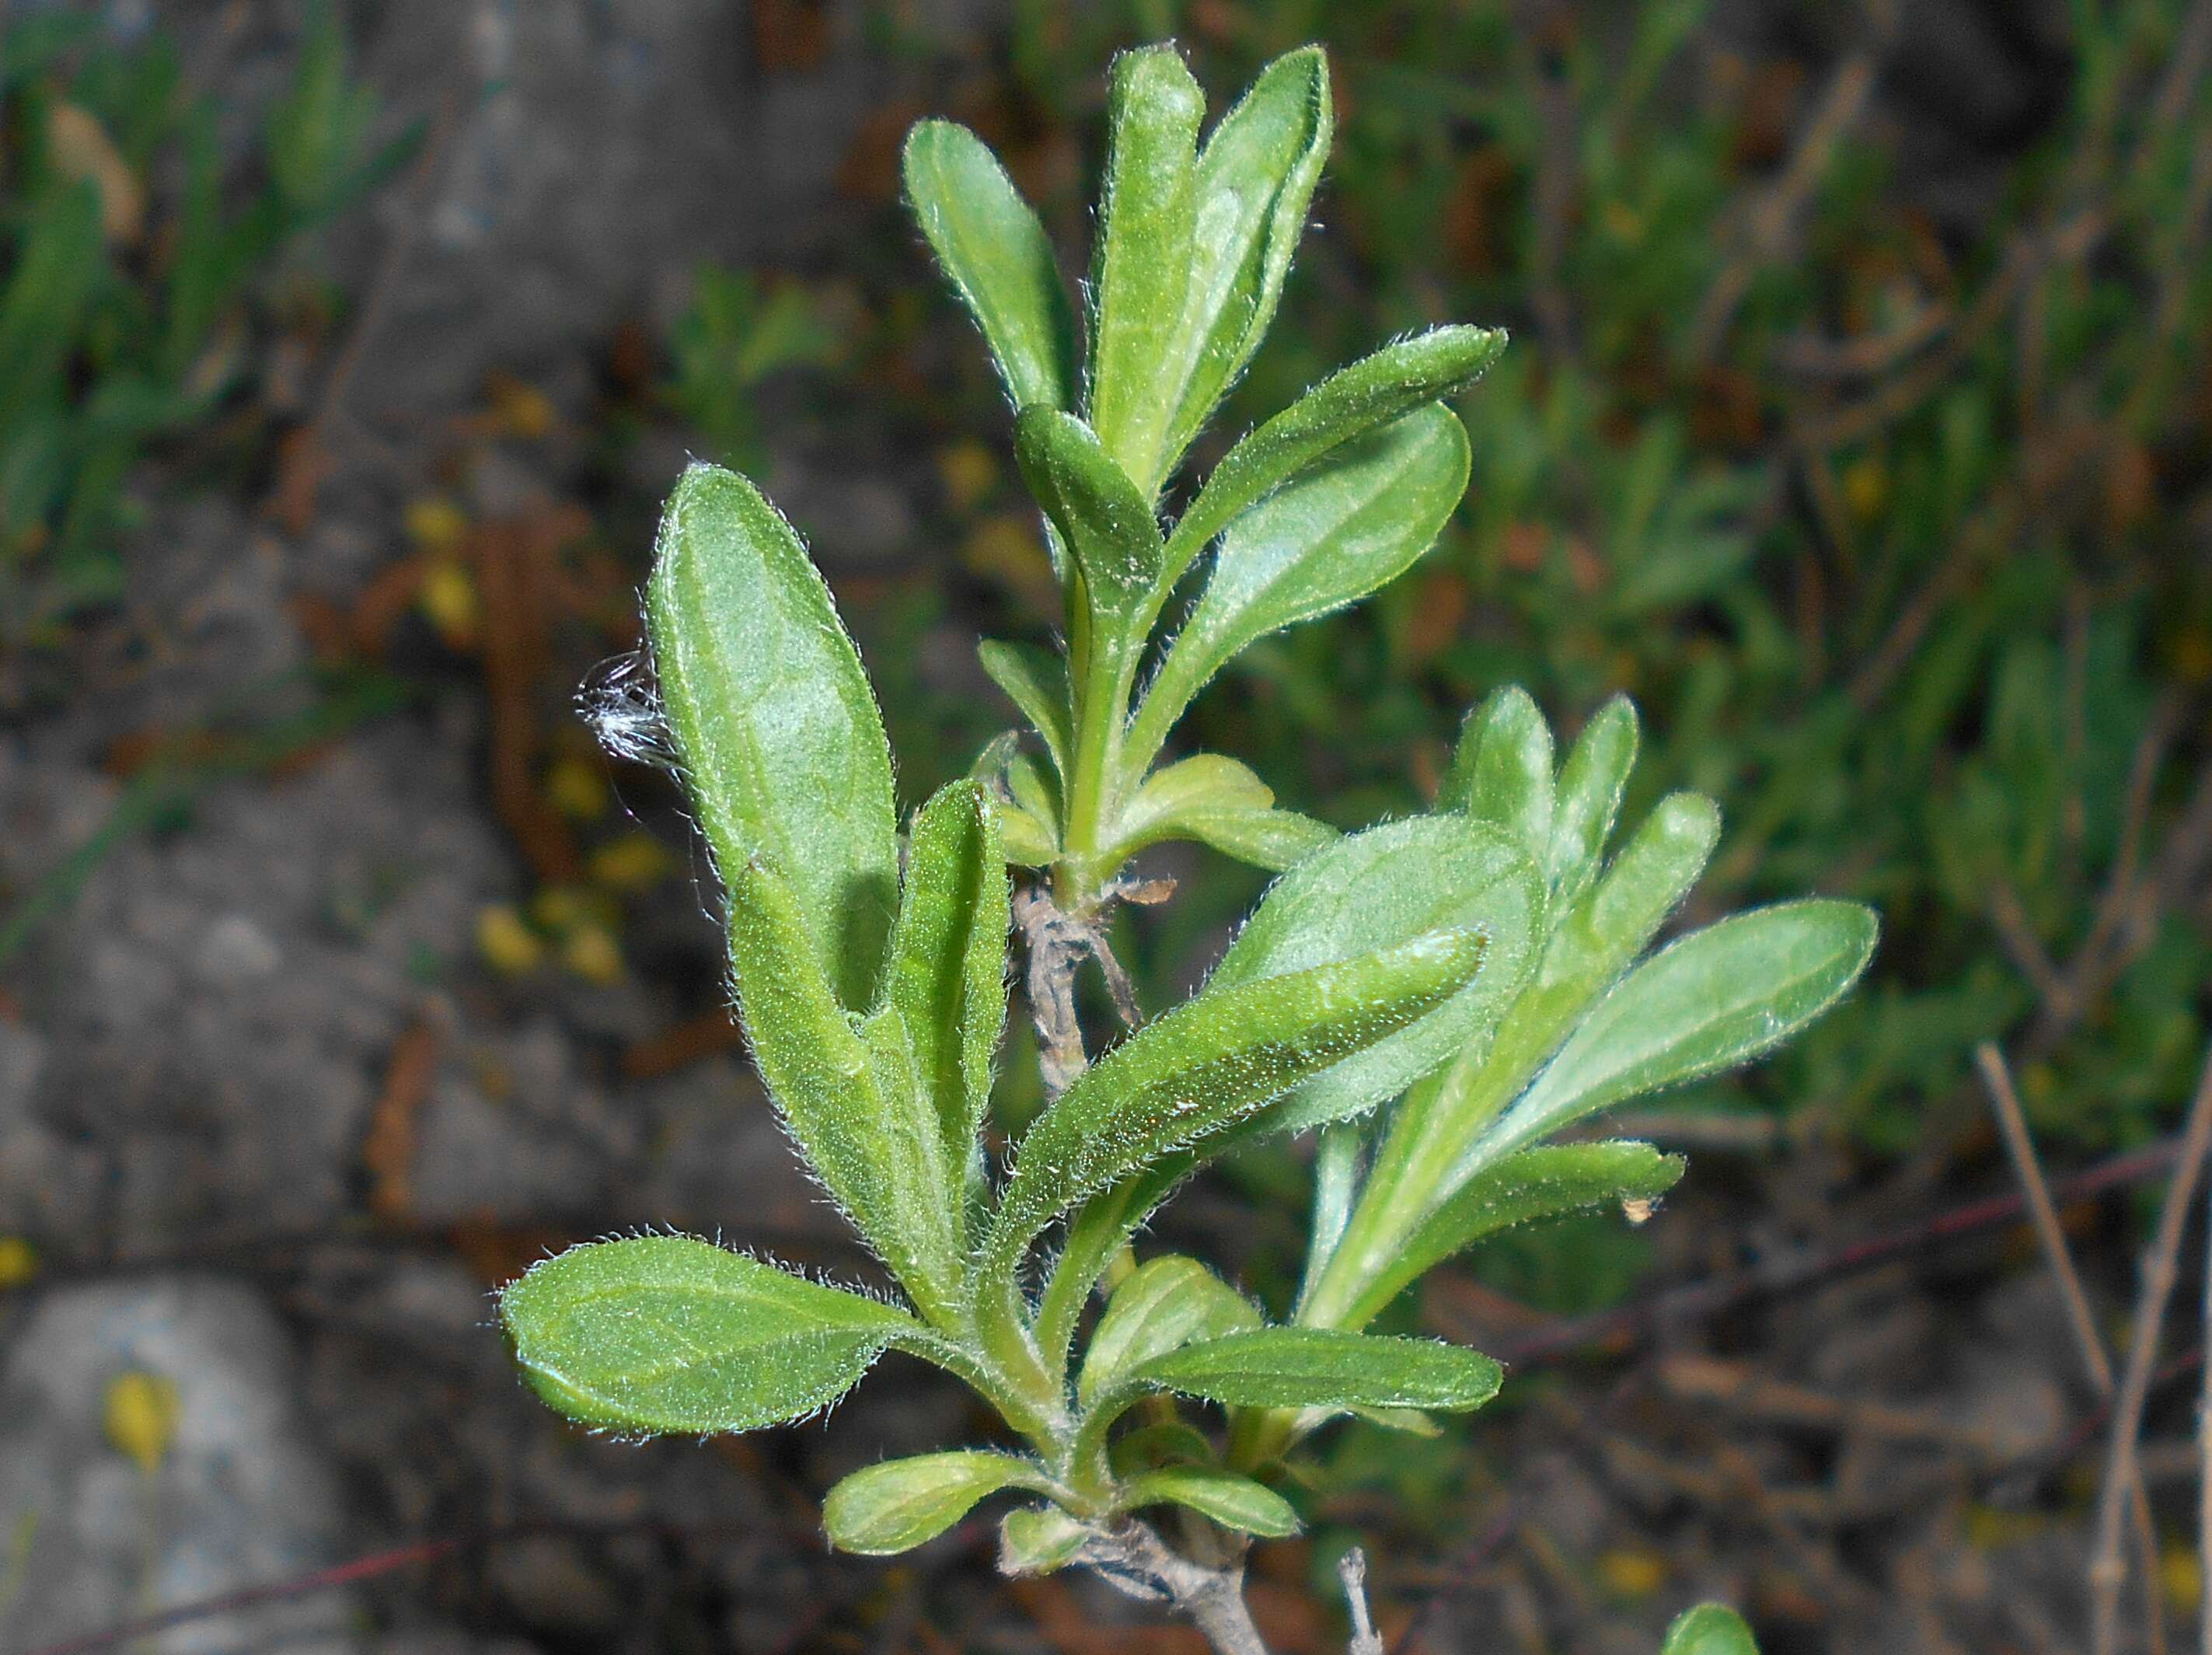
pixel 1438 997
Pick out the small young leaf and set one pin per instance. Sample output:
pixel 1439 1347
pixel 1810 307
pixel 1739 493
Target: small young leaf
pixel 1165 1442
pixel 1255 179
pixel 1029 842
pixel 1718 998
pixel 948 967
pixel 1591 785
pixel 1035 680
pixel 990 246
pixel 1501 770
pixel 1272 839
pixel 1374 390
pixel 1322 1367
pixel 1038 1540
pixel 897 1505
pixel 782 747
pixel 1097 511
pixel 1327 539
pixel 1535 1184
pixel 1233 1501
pixel 1166 1302
pixel 1371 889
pixel 1203 784
pixel 1142 271
pixel 669 1334
pixel 1208 1064
pixel 880 1151
pixel 1710 1629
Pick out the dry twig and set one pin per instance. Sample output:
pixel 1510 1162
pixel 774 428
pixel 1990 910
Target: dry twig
pixel 2012 1122
pixel 2106 1571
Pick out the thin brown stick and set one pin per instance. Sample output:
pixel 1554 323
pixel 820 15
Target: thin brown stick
pixel 2012 1123
pixel 2106 1571
pixel 2020 1144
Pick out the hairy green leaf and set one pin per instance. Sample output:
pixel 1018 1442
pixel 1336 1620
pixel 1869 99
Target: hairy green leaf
pixel 1233 1501
pixel 1208 1064
pixel 1166 1302
pixel 1423 1155
pixel 948 969
pixel 1203 784
pixel 1100 515
pixel 781 744
pixel 1501 770
pixel 1037 1540
pixel 1035 680
pixel 1371 889
pixel 1255 179
pixel 1143 268
pixel 1272 839
pixel 669 1334
pixel 992 248
pixel 1535 1184
pixel 1591 785
pixel 880 1154
pixel 1328 538
pixel 897 1505
pixel 1322 1367
pixel 1718 998
pixel 1709 1629
pixel 1374 390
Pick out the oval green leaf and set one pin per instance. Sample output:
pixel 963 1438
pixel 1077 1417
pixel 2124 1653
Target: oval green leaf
pixel 1322 1368
pixel 781 744
pixel 895 1506
pixel 993 250
pixel 1233 1501
pixel 671 1334
pixel 1166 1302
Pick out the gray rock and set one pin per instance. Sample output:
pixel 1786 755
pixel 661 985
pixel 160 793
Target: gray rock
pixel 240 1497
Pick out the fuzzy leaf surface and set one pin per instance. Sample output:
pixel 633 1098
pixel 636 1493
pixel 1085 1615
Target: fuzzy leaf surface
pixel 948 969
pixel 1272 839
pixel 1374 390
pixel 1588 947
pixel 1143 268
pixel 1535 1184
pixel 1335 533
pixel 1256 180
pixel 671 1334
pixel 898 1505
pixel 782 744
pixel 1099 513
pixel 1709 1629
pixel 1035 680
pixel 1717 998
pixel 1037 1540
pixel 878 1149
pixel 1322 1368
pixel 1372 890
pixel 1591 783
pixel 995 253
pixel 1501 771
pixel 1235 1502
pixel 1166 1302
pixel 1209 1063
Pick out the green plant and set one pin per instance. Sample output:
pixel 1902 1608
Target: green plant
pixel 1437 998
pixel 122 309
